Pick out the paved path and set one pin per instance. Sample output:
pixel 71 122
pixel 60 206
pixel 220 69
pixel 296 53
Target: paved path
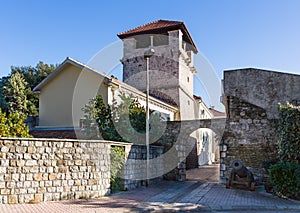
pixel 169 196
pixel 210 173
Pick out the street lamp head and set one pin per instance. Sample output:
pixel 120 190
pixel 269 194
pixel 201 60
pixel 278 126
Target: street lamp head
pixel 149 53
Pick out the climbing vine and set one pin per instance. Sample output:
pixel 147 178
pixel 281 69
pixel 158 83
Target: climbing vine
pixel 285 174
pixel 288 133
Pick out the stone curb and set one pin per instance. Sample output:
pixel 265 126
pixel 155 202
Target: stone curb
pixel 255 208
pixel 201 208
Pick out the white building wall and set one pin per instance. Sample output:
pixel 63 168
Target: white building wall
pixel 206 140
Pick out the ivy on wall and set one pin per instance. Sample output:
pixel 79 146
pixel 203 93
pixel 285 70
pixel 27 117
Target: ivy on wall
pixel 285 174
pixel 288 133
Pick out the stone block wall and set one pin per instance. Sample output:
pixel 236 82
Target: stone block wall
pixel 37 170
pixel 251 98
pixel 249 136
pixel 53 169
pixel 263 88
pixel 174 142
pixel 135 170
pixel 163 71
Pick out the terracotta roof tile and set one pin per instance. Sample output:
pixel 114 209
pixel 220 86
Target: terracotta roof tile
pixel 157 27
pixel 159 24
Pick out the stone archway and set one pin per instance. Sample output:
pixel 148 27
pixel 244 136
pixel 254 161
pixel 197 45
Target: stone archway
pixel 177 133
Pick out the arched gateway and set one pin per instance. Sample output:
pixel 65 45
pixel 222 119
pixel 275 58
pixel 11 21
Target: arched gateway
pixel 176 137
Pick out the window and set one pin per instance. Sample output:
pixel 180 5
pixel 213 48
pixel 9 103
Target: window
pixel 143 41
pixel 188 79
pixel 159 40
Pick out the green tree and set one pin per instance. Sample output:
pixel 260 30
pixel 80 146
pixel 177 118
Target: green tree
pixel 130 119
pixel 4 105
pixel 31 77
pixel 16 93
pixel 98 122
pixel 125 121
pixel 34 75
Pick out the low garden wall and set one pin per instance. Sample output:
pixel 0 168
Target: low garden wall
pixel 51 169
pixel 37 170
pixel 135 169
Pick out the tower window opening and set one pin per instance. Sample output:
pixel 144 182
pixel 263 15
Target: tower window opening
pixel 143 41
pixel 160 39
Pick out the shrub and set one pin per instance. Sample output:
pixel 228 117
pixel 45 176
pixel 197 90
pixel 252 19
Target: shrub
pixel 286 179
pixel 117 158
pixel 98 121
pixel 12 125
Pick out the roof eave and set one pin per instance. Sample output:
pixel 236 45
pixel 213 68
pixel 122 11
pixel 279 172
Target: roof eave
pixel 36 89
pixel 71 61
pixel 181 26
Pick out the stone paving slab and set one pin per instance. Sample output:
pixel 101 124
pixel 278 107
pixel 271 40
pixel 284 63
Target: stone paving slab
pixel 168 196
pixel 215 197
pixel 190 197
pixel 208 173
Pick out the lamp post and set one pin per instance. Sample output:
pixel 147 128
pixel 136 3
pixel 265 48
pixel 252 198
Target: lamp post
pixel 147 55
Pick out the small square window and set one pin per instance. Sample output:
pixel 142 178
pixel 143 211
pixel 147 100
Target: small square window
pixel 159 40
pixel 143 41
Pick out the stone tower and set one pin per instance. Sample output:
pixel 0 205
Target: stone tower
pixel 171 68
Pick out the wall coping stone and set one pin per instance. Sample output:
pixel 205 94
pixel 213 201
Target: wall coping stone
pixel 117 143
pixel 66 140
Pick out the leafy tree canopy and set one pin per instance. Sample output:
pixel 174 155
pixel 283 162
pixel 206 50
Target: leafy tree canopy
pixel 16 88
pixel 125 121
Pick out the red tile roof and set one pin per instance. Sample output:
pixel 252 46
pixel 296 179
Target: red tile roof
pixel 196 97
pixel 160 26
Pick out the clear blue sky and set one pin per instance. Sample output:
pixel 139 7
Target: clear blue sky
pixel 231 34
